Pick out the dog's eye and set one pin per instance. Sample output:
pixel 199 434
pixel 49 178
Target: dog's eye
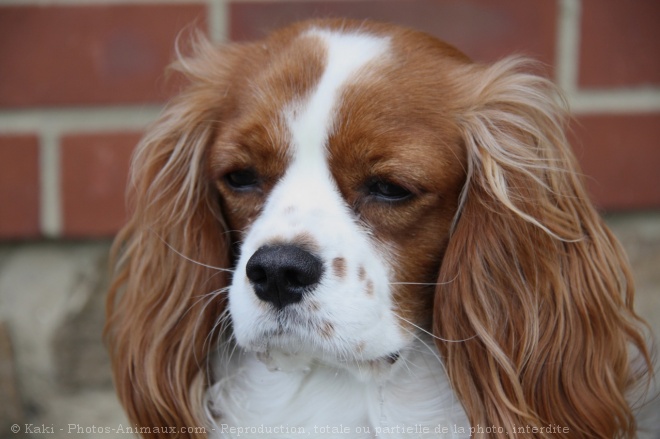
pixel 242 179
pixel 388 191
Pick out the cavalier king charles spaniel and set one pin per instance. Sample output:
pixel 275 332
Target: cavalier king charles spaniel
pixel 350 229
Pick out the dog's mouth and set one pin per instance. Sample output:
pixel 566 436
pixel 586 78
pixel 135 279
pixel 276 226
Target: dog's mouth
pixel 299 347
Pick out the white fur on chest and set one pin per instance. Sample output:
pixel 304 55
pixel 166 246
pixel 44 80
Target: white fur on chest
pixel 409 399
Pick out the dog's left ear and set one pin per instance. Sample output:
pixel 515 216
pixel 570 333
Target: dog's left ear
pixel 535 297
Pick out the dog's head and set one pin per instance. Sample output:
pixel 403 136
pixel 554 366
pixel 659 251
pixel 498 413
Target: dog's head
pixel 333 190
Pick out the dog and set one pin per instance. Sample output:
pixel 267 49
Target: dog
pixel 350 229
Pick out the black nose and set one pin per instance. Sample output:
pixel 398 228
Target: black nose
pixel 281 274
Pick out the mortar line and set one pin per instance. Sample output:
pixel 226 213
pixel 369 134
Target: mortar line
pixel 50 212
pixel 568 45
pixel 638 100
pixel 78 119
pixel 218 12
pixel 92 2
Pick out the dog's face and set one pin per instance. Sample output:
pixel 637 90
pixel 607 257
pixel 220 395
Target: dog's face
pixel 339 192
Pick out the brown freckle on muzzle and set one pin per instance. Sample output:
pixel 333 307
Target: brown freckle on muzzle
pixel 327 330
pixel 370 288
pixel 362 273
pixel 339 267
pixel 314 306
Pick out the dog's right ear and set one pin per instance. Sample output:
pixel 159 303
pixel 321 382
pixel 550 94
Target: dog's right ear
pixel 171 259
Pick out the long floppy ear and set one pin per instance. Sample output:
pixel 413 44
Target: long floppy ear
pixel 535 294
pixel 165 299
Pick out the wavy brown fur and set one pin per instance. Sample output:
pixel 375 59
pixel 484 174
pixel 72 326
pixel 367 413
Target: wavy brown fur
pixel 162 309
pixel 532 278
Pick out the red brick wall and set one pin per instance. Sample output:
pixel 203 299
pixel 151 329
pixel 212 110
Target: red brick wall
pixel 80 80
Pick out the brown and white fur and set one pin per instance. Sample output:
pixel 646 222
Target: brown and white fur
pixel 352 224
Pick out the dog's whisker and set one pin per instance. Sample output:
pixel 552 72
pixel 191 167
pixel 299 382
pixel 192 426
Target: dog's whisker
pixel 432 351
pixel 425 283
pixel 417 349
pixel 431 334
pixel 227 270
pixel 219 326
pixel 209 297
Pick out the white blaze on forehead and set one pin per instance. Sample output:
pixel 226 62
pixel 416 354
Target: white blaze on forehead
pixel 311 122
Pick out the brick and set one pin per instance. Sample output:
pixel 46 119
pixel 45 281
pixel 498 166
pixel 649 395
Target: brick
pixel 620 43
pixel 94 174
pixel 482 29
pixel 19 186
pixel 89 55
pixel 620 157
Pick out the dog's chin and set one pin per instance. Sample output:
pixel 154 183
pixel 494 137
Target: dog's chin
pixel 290 352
